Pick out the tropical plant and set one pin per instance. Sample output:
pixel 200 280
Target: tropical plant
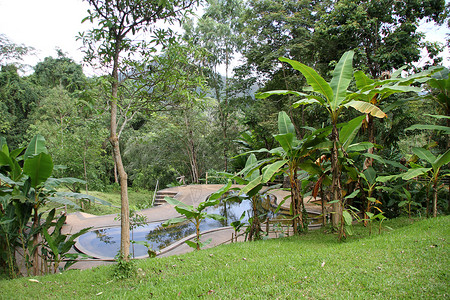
pixel 433 174
pixel 237 225
pixel 56 246
pixel 333 96
pixel 439 83
pixel 23 190
pixel 376 91
pixel 293 155
pixel 195 215
pixel 408 201
pixel 251 190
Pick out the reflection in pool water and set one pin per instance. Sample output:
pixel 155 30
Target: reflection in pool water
pixel 106 242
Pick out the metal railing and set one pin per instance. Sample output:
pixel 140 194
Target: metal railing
pixel 154 194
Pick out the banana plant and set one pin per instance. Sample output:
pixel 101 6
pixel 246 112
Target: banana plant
pixel 196 215
pixel 375 91
pixel 250 177
pixel 333 97
pixel 56 246
pixel 237 225
pixel 29 187
pixel 440 81
pixel 292 156
pixel 433 174
pixel 408 202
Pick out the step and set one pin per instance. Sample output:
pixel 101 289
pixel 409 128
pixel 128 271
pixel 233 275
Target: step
pixel 160 195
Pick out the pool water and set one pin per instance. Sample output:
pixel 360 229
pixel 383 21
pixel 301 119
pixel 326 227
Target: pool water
pixel 105 243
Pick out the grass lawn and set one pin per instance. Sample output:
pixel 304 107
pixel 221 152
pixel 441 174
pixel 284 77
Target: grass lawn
pixel 409 262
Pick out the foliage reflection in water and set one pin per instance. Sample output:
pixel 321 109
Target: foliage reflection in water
pixel 105 242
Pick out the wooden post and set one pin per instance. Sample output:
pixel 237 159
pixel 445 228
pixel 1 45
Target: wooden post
pixel 206 177
pixel 267 226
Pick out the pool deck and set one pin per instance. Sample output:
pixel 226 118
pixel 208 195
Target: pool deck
pixel 191 195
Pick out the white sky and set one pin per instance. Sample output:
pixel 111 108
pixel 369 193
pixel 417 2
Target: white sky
pixel 48 24
pixel 44 25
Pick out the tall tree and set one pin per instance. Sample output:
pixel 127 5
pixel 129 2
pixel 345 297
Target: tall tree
pixel 218 32
pixel 383 34
pixel 272 29
pixel 11 53
pixel 18 98
pixel 112 44
pixel 60 71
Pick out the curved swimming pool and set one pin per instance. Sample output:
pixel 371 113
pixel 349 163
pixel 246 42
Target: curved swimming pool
pixel 105 242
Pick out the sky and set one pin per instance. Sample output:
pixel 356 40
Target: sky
pixel 44 25
pixel 50 24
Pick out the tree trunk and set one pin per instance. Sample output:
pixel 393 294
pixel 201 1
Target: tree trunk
pixel 225 116
pixel 322 200
pixel 371 130
pixel 190 145
pixel 114 140
pixel 297 203
pixel 85 168
pixel 35 252
pixel 435 198
pixel 336 183
pixel 255 228
pixel 116 178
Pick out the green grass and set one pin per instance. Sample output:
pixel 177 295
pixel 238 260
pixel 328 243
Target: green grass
pixel 138 200
pixel 409 262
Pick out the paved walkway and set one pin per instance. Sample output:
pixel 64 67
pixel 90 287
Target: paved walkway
pixel 191 195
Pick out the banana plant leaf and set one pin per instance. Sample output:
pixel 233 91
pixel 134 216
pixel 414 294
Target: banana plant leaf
pixel 441 160
pixel 271 169
pixel 424 154
pixel 284 123
pixel 64 201
pixel 445 129
pixel 342 76
pixel 366 108
pixel 35 147
pixel 263 95
pixel 318 84
pixel 39 168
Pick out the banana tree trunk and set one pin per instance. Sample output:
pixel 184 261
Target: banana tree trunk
pixel 322 201
pixel 35 253
pixel 435 197
pixel 336 183
pixel 371 130
pixel 255 228
pixel 297 205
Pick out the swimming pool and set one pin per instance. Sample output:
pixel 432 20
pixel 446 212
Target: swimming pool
pixel 105 242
